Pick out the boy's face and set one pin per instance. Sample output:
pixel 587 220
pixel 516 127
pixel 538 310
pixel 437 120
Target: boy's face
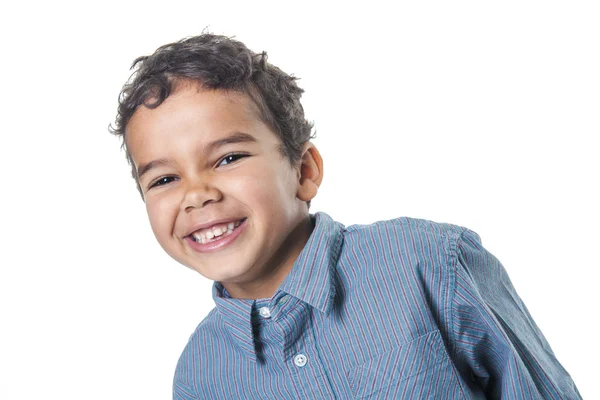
pixel 213 160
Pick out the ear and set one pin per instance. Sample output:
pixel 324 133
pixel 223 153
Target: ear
pixel 310 173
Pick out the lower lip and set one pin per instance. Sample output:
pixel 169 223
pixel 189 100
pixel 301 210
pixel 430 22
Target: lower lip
pixel 217 244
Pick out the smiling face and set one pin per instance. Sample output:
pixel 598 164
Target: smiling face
pixel 220 196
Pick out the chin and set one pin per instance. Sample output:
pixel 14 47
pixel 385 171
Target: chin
pixel 223 274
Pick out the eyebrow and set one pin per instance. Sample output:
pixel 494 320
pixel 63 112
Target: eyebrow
pixel 236 137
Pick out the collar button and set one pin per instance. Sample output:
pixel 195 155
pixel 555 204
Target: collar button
pixel 264 312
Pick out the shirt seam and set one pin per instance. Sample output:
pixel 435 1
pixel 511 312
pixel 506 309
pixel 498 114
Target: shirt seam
pixel 189 389
pixel 452 265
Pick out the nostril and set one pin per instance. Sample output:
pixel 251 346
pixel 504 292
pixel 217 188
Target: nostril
pixel 197 198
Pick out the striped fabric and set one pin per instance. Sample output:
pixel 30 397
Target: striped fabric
pixel 400 309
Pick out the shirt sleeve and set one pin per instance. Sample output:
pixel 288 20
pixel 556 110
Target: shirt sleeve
pixel 496 344
pixel 182 392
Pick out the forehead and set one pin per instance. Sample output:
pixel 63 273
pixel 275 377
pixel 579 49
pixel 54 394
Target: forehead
pixel 195 115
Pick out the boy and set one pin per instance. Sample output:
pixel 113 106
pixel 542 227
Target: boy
pixel 305 307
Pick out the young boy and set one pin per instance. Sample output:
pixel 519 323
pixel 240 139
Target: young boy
pixel 305 307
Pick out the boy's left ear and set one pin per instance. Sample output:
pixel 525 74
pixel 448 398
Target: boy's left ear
pixel 310 173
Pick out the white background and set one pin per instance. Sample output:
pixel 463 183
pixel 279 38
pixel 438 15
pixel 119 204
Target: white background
pixel 479 114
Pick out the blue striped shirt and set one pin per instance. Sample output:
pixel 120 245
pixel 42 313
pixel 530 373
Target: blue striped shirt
pixel 399 309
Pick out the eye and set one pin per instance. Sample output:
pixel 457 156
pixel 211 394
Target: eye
pixel 228 159
pixel 161 181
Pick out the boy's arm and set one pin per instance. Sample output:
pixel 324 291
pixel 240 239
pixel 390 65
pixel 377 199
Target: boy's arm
pixel 493 337
pixel 182 389
pixel 182 392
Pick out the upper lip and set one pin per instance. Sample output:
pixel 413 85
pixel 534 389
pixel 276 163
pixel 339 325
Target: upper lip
pixel 208 224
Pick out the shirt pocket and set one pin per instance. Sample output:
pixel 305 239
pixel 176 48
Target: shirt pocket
pixel 409 371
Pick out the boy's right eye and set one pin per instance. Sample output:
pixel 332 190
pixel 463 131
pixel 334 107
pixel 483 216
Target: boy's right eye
pixel 161 181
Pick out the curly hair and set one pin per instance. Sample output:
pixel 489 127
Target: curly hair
pixel 217 62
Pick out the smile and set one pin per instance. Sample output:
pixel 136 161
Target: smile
pixel 215 237
pixel 215 232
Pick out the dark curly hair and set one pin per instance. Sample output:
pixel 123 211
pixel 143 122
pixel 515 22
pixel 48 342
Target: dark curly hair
pixel 217 62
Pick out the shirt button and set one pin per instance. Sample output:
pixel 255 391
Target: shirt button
pixel 284 299
pixel 300 360
pixel 264 312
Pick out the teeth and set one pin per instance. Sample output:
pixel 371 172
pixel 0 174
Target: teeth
pixel 205 235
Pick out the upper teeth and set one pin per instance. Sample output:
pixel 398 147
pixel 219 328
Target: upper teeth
pixel 206 234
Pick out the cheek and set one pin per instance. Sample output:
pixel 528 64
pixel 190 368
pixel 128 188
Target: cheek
pixel 271 191
pixel 162 218
pixel 266 185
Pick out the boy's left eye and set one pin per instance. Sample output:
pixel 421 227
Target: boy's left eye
pixel 228 159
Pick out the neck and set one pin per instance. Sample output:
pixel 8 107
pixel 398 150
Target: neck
pixel 280 266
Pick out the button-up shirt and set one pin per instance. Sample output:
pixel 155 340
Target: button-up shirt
pixel 399 309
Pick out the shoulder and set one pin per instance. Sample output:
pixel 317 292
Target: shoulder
pixel 207 333
pixel 409 260
pixel 403 244
pixel 410 229
pixel 208 325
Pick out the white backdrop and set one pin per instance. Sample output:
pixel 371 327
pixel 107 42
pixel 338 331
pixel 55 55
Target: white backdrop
pixel 483 115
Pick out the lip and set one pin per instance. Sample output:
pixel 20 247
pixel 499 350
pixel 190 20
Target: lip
pixel 217 244
pixel 208 224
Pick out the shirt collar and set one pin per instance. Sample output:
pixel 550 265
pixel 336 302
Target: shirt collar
pixel 310 280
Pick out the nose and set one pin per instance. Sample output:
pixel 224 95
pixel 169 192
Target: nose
pixel 199 195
